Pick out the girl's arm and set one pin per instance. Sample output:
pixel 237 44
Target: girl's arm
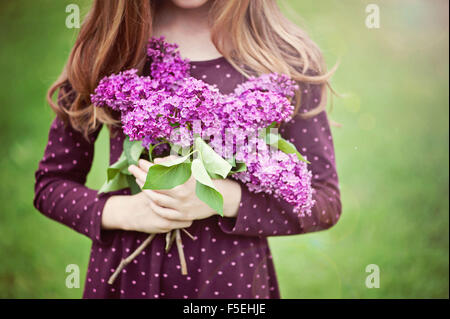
pixel 263 215
pixel 60 193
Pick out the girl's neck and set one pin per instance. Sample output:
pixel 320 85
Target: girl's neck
pixel 189 28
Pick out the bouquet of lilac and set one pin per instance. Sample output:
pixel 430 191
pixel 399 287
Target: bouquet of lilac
pixel 169 109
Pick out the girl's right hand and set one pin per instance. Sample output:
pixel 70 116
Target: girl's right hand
pixel 135 213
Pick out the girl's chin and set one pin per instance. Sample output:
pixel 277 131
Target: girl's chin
pixel 189 4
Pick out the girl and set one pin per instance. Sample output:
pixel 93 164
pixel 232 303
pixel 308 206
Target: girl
pixel 226 42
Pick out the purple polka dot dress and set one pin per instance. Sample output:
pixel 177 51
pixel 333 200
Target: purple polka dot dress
pixel 230 257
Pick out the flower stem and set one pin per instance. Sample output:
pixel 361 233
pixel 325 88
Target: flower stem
pixel 174 235
pixel 188 233
pixel 181 252
pixel 170 237
pixel 126 261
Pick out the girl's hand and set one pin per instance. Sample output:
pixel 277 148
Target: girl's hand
pixel 135 213
pixel 181 202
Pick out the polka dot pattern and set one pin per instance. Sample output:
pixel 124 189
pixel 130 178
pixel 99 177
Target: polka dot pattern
pixel 230 257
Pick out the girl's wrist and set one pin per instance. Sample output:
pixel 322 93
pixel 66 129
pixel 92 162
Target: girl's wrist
pixel 112 217
pixel 232 193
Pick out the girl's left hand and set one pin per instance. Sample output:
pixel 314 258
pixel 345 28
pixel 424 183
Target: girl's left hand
pixel 182 200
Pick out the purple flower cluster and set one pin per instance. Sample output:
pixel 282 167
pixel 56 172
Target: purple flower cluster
pixel 171 106
pixel 280 174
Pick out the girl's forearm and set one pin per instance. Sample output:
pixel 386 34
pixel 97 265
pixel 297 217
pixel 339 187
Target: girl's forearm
pixel 112 217
pixel 231 192
pixel 115 206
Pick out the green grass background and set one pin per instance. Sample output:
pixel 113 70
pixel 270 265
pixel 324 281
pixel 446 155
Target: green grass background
pixel 392 153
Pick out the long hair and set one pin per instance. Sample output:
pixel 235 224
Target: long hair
pixel 259 39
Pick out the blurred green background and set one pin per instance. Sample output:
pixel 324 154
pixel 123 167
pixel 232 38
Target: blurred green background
pixel 392 153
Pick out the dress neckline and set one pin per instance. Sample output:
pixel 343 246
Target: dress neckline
pixel 208 62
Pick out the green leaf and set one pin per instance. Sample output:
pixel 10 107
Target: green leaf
pixel 134 187
pixel 176 161
pixel 200 174
pixel 289 148
pixel 212 161
pixel 205 189
pixel 231 160
pixel 118 182
pixel 117 174
pixel 240 167
pixel 263 132
pixel 179 150
pixel 125 170
pixel 276 140
pixel 132 150
pixel 160 176
pixel 117 167
pixel 215 176
pixel 210 196
pixel 272 125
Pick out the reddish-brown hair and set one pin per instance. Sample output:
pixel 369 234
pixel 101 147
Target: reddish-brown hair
pixel 114 34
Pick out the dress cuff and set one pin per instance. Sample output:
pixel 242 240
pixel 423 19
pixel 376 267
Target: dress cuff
pixel 247 219
pixel 98 234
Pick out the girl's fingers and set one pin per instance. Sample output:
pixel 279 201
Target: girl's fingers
pixel 140 183
pixel 168 213
pixel 137 172
pixel 165 159
pixel 166 192
pixel 144 165
pixel 141 173
pixel 176 224
pixel 141 177
pixel 159 198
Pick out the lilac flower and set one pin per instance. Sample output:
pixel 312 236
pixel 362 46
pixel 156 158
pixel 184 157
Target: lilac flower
pixel 281 175
pixel 171 106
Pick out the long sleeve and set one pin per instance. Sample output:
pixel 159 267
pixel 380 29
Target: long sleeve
pixel 60 193
pixel 263 215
